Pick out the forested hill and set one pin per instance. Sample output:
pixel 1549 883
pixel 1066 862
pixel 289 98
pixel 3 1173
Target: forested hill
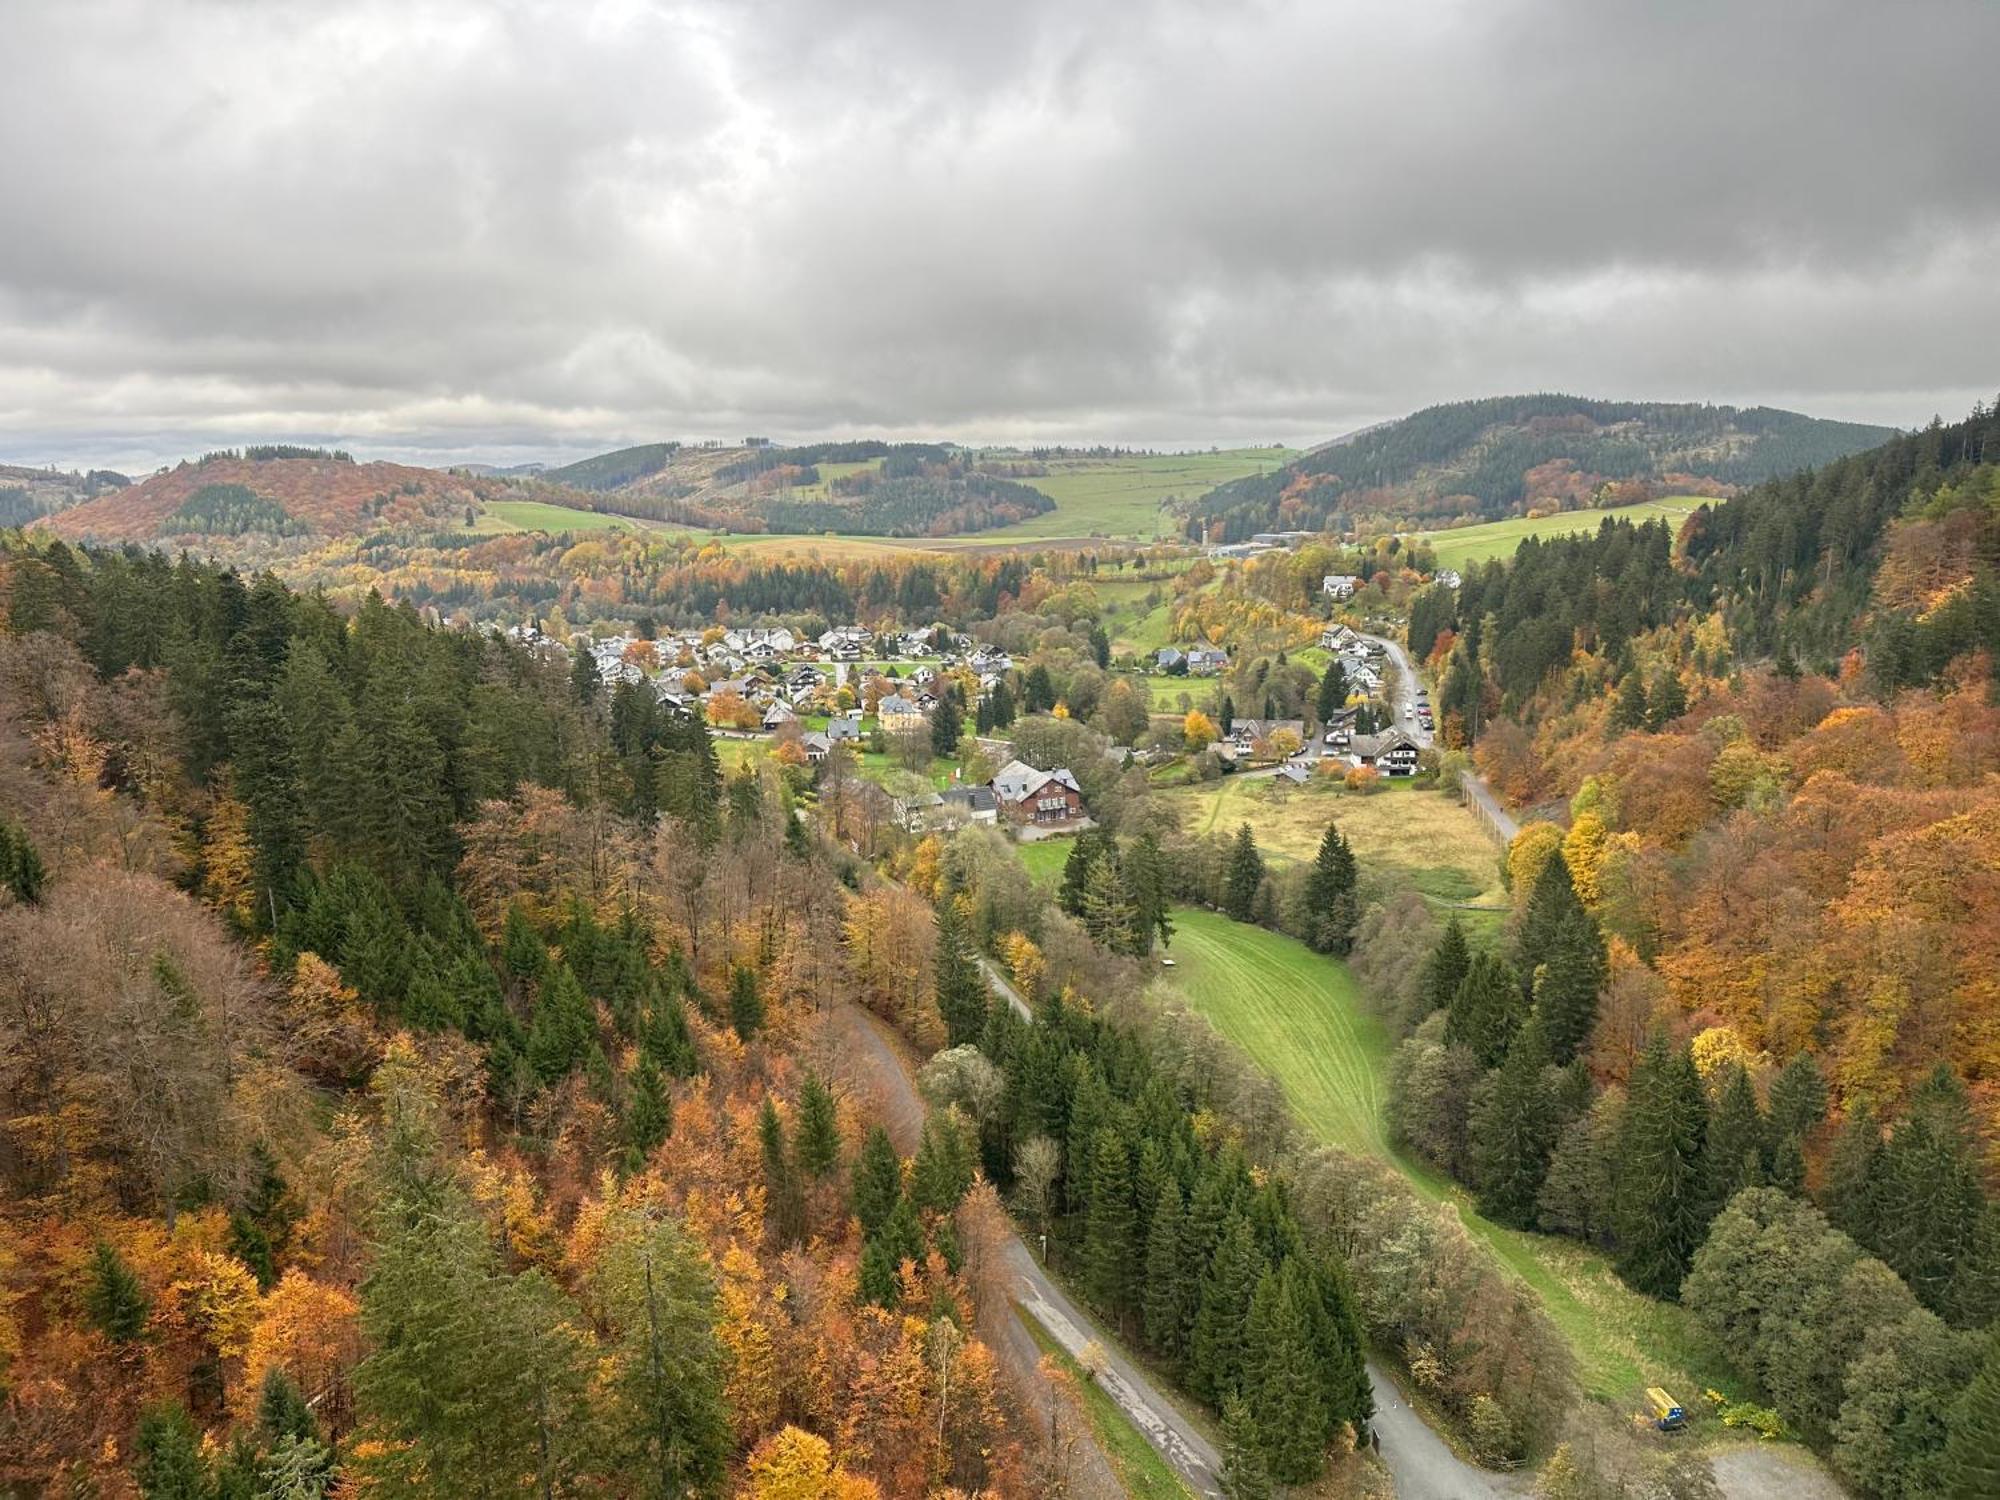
pixel 866 487
pixel 1893 551
pixel 1511 454
pixel 275 492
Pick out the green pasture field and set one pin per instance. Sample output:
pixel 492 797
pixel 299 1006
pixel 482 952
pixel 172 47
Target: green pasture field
pixel 1464 545
pixel 1121 496
pixel 1300 1016
pixel 537 515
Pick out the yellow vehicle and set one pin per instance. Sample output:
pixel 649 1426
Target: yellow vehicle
pixel 1667 1414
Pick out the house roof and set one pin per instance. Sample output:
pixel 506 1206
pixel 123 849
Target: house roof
pixel 976 798
pixel 896 703
pixel 1018 781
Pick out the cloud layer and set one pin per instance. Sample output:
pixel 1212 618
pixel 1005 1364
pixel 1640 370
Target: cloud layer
pixel 452 228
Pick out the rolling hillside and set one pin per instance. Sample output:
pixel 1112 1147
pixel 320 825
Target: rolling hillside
pixel 301 493
pixel 27 494
pixel 862 488
pixel 1513 454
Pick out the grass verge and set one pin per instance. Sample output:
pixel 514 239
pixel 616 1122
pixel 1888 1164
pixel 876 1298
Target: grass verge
pixel 1141 1469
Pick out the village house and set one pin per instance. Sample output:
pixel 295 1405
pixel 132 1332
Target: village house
pixel 1339 586
pixel 916 811
pixel 1245 734
pixel 1207 661
pixel 1449 577
pixel 1169 657
pixel 971 804
pixel 816 745
pixel 843 728
pixel 1034 797
pixel 1340 638
pixel 1391 752
pixel 897 712
pixel 777 716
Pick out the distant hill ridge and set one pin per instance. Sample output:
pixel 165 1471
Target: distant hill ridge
pixel 291 492
pixel 1507 455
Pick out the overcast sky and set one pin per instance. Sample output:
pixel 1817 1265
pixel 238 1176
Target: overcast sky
pixel 441 229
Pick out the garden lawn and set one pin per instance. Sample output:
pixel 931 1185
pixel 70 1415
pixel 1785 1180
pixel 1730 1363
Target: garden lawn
pixel 1299 1015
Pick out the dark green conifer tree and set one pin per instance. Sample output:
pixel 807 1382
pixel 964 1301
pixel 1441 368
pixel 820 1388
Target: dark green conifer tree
pixel 1216 1349
pixel 746 1002
pixel 1108 1226
pixel 113 1299
pixel 1163 1300
pixel 1663 1206
pixel 959 985
pixel 1332 696
pixel 1736 1138
pixel 1282 1378
pixel 1445 969
pixel 649 1117
pixel 1514 1129
pixel 878 1180
pixel 1244 1475
pixel 1628 712
pixel 1246 876
pixel 1572 975
pixel 816 1131
pixel 1486 1010
pixel 170 1464
pixel 1972 1451
pixel 784 1194
pixel 1332 897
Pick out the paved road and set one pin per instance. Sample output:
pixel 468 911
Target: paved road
pixel 1417 1458
pixel 1193 1457
pixel 1404 694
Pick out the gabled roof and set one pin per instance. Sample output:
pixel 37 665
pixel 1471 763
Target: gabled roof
pixel 1018 781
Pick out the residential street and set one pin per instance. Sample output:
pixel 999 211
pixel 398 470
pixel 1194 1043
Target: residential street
pixel 1476 789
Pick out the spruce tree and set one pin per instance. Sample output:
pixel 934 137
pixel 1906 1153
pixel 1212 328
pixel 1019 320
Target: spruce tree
pixel 941 1175
pixel 1109 914
pixel 170 1465
pixel 1216 1348
pixel 1736 1138
pixel 1108 1228
pixel 947 724
pixel 1332 696
pixel 21 870
pixel 1163 1302
pixel 1514 1129
pixel 1244 1475
pixel 1972 1451
pixel 281 1409
pixel 1551 903
pixel 1486 1010
pixel 1281 1378
pixel 1628 712
pixel 1089 846
pixel 1148 882
pixel 1567 985
pixel 878 1180
pixel 746 1004
pixel 1445 969
pixel 1931 1223
pixel 1225 717
pixel 784 1195
pixel 1848 1196
pixel 564 1029
pixel 879 1272
pixel 1667 702
pixel 1332 901
pixel 816 1130
pixel 1246 875
pixel 960 986
pixel 1663 1200
pixel 648 1115
pixel 1798 1105
pixel 585 681
pixel 113 1299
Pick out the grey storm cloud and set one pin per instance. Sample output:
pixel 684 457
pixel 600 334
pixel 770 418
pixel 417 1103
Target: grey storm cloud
pixel 439 228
